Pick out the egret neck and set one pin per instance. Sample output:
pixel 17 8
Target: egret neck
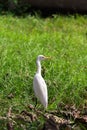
pixel 38 66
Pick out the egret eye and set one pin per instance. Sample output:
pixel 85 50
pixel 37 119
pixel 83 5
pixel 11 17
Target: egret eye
pixel 42 57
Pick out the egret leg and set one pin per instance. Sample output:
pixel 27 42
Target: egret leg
pixel 35 102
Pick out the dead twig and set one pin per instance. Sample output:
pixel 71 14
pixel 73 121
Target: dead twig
pixel 9 123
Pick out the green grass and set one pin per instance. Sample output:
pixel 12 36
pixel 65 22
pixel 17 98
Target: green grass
pixel 64 38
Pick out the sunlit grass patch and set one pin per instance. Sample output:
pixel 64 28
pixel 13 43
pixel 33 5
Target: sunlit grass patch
pixel 64 38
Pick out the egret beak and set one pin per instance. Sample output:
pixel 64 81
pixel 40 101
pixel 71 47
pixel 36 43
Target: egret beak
pixel 47 57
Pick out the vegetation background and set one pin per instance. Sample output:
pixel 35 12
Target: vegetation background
pixel 22 39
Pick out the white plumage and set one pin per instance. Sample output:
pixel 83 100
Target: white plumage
pixel 39 85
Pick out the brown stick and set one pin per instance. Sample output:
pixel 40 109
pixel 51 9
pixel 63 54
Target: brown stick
pixel 9 123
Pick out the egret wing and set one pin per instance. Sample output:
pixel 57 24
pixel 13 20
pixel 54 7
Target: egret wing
pixel 40 89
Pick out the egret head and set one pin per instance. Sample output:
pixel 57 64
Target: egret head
pixel 42 57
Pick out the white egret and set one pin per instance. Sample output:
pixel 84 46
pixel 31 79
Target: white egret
pixel 39 85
